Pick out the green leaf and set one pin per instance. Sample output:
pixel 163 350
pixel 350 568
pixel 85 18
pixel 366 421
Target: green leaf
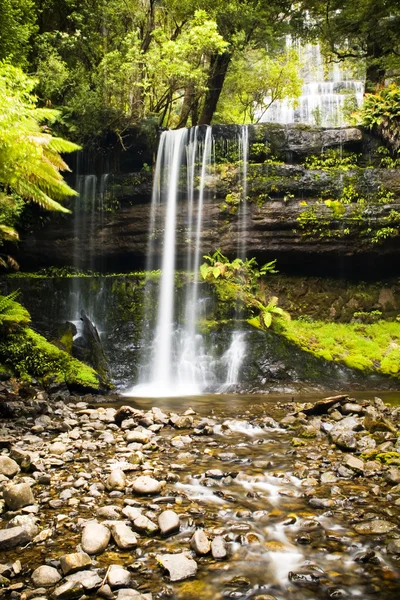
pixel 267 318
pixel 216 272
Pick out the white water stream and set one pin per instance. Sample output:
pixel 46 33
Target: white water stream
pixel 179 363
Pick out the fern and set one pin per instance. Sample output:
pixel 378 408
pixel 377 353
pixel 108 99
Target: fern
pixel 12 313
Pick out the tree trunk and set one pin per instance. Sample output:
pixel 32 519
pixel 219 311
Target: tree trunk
pixel 186 106
pixel 218 68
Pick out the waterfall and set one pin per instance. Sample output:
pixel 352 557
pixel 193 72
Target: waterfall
pixel 324 94
pixel 233 358
pixel 179 363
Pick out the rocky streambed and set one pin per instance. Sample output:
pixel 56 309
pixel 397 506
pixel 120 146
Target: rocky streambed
pixel 271 501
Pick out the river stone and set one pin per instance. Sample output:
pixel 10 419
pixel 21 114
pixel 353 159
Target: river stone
pixel 328 477
pixel 131 512
pixel 182 422
pixel 354 463
pixel 116 480
pixel 218 548
pixel 144 524
pixel 13 537
pixel 89 580
pixel 68 590
pixel 139 437
pixel 377 527
pixel 392 475
pixel 200 542
pixel 28 522
pixel 168 522
pixel 58 448
pixel 128 593
pixel 70 563
pixel 95 538
pixel 110 512
pixel 344 439
pixel 123 535
pixel 393 547
pixel 179 566
pixel 8 466
pixel 17 496
pixel 45 576
pixel 147 485
pixel 118 577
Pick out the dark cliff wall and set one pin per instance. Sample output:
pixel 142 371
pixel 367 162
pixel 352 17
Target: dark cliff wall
pixel 115 238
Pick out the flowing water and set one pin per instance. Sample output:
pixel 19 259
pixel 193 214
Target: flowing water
pixel 179 363
pixel 326 93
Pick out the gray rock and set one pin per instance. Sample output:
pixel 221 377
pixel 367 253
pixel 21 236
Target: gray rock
pixel 351 408
pixel 147 485
pixel 89 580
pixel 139 437
pixel 118 577
pixel 8 466
pixel 128 593
pixel 68 590
pixel 200 542
pixel 58 448
pixel 45 576
pixel 168 522
pixel 27 522
pixel 95 538
pixel 345 440
pixel 70 563
pixel 108 512
pixel 377 527
pixel 123 535
pixel 144 524
pixel 131 512
pixel 116 480
pixel 17 496
pixel 328 477
pixel 354 463
pixel 13 537
pixel 392 475
pixel 214 474
pixel 218 548
pixel 179 566
pixel 182 422
pixel 393 547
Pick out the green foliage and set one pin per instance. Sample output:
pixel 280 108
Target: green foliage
pixel 387 161
pixel 29 355
pixel 372 316
pixel 12 314
pixel 255 80
pixel 244 272
pixel 236 282
pixel 30 157
pixel 367 347
pixel 17 25
pixel 351 214
pixel 332 160
pixel 382 112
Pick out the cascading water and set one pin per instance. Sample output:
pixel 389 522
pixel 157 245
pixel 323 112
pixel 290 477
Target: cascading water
pixel 179 364
pixel 233 358
pixel 324 94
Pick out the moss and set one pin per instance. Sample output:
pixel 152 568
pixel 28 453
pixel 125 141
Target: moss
pixel 389 458
pixel 29 355
pixel 365 347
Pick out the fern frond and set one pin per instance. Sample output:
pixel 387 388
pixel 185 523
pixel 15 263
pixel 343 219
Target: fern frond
pixel 12 312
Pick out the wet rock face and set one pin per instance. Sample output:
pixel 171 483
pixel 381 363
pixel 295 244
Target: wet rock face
pixel 118 240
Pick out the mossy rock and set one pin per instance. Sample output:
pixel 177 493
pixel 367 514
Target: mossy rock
pixel 29 355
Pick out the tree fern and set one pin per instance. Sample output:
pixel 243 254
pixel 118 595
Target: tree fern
pixel 12 313
pixel 30 160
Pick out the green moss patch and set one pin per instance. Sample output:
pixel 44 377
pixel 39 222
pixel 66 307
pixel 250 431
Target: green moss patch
pixel 29 355
pixel 367 347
